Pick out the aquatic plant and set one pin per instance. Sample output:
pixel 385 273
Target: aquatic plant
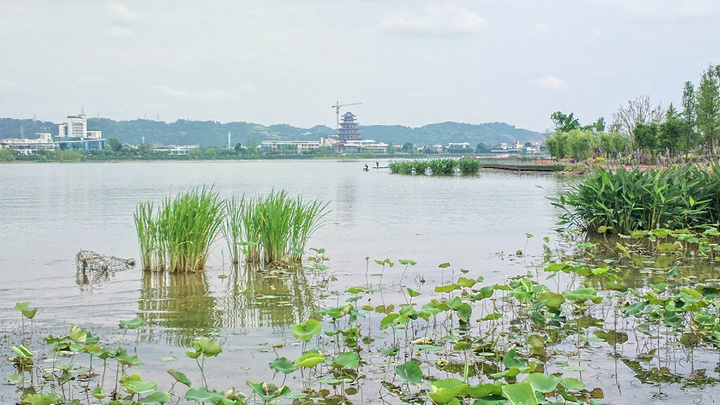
pixel 147 233
pixel 468 166
pixel 307 218
pixel 278 228
pixel 622 201
pixel 187 226
pixel 442 167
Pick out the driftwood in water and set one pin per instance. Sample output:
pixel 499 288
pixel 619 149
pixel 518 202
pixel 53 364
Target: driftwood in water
pixel 93 267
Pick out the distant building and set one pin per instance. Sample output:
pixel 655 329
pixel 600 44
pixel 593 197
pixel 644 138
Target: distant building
pixel 73 134
pixel 365 144
pixel 175 150
pixel 301 146
pixel 30 146
pixel 350 141
pixel 348 130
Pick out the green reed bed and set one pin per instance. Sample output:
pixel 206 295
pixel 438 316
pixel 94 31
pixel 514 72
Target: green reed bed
pixel 437 167
pixel 307 218
pixel 147 235
pixel 420 167
pixel 273 229
pixel 442 167
pixel 622 201
pixel 401 167
pixel 188 225
pixel 178 236
pixel 468 167
pixel 278 227
pixel 275 215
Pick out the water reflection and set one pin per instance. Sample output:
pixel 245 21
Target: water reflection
pixel 256 297
pixel 179 303
pixel 176 307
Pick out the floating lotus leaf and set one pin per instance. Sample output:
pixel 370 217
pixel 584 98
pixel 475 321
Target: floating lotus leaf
pixel 347 360
pixel 206 346
pixel 159 397
pixel 520 393
pixel 283 365
pixel 129 360
pixel 445 390
pixel 572 383
pixel 542 383
pixel 305 331
pixel 180 377
pixel 310 360
pixel 203 395
pixel 410 372
pixel 139 387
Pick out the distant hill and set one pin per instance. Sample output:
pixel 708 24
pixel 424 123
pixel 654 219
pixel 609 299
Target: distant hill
pixel 213 133
pixel 490 134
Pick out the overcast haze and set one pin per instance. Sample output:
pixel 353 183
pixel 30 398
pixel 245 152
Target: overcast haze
pixel 409 62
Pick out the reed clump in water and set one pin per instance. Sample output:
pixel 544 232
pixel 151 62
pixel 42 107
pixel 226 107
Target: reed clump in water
pixel 272 230
pixel 278 227
pixel 178 237
pixel 438 167
pixel 145 224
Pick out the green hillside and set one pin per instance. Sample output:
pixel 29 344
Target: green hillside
pixel 213 133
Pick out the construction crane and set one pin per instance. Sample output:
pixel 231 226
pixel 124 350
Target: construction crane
pixel 337 112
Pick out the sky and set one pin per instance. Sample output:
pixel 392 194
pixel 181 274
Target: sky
pixel 409 63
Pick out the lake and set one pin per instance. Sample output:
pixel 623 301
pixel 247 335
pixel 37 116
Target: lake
pixel 49 212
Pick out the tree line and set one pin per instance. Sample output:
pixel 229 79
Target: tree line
pixel 644 129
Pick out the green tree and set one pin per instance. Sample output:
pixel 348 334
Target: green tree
pixel 482 148
pixel 252 147
pixel 708 106
pixel 689 115
pixel 409 147
pixel 638 111
pixel 646 136
pixel 576 144
pixel 238 147
pixel 114 144
pixel 564 123
pixel 671 136
pixel 7 154
pixel 145 149
pixel 614 143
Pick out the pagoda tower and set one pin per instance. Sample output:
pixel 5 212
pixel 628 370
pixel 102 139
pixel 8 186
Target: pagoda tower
pixel 348 130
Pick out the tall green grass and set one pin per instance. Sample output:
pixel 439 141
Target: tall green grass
pixel 273 230
pixel 187 227
pixel 147 235
pixel 279 227
pixel 307 218
pixel 622 201
pixel 178 236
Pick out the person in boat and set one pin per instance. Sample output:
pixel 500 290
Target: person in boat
pixel 377 164
pixel 366 168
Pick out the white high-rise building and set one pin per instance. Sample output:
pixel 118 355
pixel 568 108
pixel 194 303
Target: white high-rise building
pixel 74 127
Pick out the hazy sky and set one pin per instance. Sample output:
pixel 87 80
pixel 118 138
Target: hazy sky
pixel 408 62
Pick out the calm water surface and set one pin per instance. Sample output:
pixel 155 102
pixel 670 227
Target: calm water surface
pixel 48 212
